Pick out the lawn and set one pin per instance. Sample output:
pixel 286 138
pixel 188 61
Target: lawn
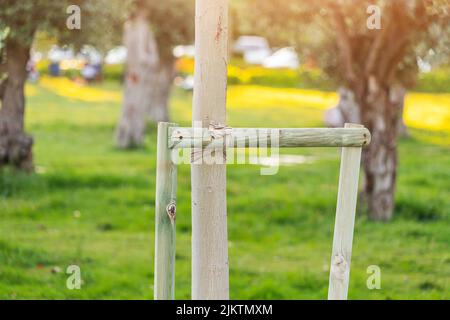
pixel 92 205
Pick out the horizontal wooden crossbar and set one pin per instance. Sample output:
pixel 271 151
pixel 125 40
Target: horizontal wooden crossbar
pixel 187 137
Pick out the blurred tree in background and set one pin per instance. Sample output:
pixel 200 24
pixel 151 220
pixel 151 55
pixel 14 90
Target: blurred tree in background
pixel 150 33
pixel 19 22
pixel 152 28
pixel 375 66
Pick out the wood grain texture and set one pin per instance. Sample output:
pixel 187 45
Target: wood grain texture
pixel 210 275
pixel 288 137
pixel 344 223
pixel 165 216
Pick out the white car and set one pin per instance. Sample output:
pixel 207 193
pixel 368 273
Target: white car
pixel 57 54
pixel 117 55
pixel 256 56
pixel 90 55
pixel 250 43
pixel 188 83
pixel 282 58
pixel 254 49
pixel 184 51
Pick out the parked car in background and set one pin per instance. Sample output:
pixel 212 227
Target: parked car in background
pixel 87 62
pixel 90 55
pixel 184 51
pixel 254 49
pixel 186 83
pixel 282 58
pixel 117 55
pixel 58 54
pixel 250 43
pixel 92 69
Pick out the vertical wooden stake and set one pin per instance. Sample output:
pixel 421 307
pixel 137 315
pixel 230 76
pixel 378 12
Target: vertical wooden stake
pixel 165 215
pixel 345 220
pixel 208 181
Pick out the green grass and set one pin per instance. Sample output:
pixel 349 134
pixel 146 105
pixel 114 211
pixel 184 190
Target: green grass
pixel 92 205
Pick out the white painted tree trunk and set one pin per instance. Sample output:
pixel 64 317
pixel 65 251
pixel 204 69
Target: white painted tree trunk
pixel 209 212
pixel 142 63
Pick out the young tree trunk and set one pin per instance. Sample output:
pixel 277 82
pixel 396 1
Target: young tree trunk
pixel 210 272
pixel 15 144
pixel 141 73
pixel 381 114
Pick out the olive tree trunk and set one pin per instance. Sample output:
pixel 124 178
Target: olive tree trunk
pixel 162 78
pixel 147 84
pixel 15 144
pixel 348 109
pixel 380 110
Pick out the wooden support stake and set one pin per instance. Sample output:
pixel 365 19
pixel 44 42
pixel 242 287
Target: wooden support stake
pixel 345 220
pixel 165 215
pixel 180 137
pixel 208 181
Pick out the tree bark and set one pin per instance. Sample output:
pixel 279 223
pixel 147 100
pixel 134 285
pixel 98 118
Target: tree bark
pixel 370 69
pixel 397 96
pixel 141 78
pixel 381 114
pixel 162 78
pixel 380 110
pixel 348 109
pixel 15 144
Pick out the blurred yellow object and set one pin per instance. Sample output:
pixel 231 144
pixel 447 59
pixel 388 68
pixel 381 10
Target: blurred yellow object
pixel 70 89
pixel 428 111
pixel 252 96
pixel 422 110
